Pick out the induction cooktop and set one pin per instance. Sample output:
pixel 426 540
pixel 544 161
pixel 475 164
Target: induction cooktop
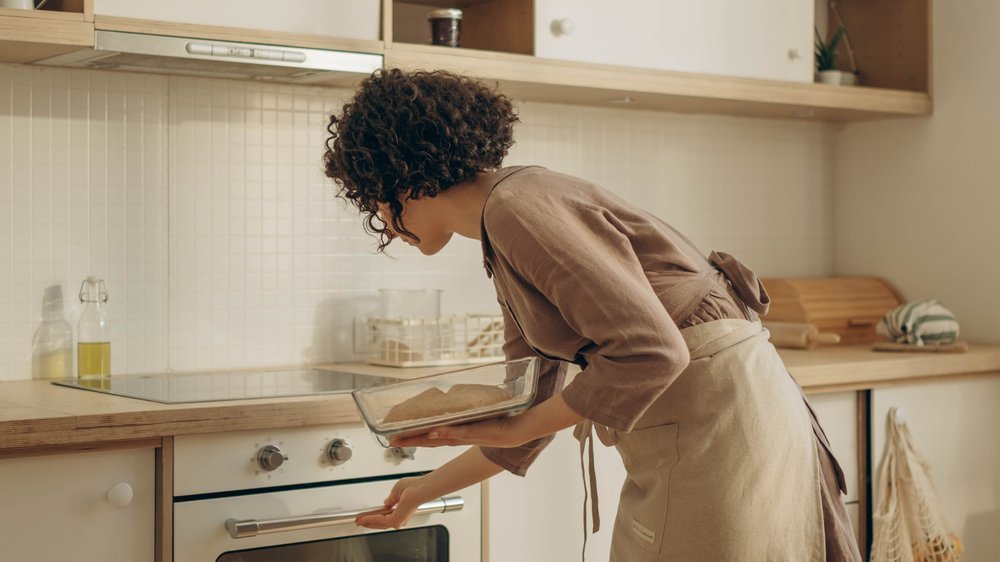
pixel 181 388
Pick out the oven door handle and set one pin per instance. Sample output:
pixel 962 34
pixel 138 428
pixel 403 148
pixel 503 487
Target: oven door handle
pixel 243 528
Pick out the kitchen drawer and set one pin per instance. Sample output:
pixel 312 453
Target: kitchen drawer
pixel 57 507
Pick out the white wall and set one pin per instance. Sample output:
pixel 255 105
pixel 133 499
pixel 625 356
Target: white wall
pixel 916 202
pixel 916 199
pixel 203 205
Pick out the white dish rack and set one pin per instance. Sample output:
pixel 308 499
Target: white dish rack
pixel 424 342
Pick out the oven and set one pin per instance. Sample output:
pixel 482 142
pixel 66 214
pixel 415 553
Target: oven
pixel 291 495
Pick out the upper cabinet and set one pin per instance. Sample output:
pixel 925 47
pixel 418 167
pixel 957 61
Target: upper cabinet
pixel 717 56
pixel 349 19
pixel 30 35
pixel 767 39
pixel 714 56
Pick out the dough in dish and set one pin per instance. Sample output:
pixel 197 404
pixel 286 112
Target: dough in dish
pixel 434 402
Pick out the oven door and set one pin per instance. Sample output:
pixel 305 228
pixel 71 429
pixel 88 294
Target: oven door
pixel 315 524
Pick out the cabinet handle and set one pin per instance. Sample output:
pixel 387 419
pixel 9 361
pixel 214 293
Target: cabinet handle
pixel 563 26
pixel 239 529
pixel 120 494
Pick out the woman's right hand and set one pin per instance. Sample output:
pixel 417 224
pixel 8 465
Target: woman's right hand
pixel 403 501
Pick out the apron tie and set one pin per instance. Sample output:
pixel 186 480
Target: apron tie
pixel 744 281
pixel 583 432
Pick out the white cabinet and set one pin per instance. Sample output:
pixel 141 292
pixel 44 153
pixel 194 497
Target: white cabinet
pixel 956 427
pixel 770 39
pixel 838 414
pixel 542 513
pixel 354 19
pixel 84 506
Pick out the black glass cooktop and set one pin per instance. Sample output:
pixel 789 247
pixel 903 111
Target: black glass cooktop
pixel 179 388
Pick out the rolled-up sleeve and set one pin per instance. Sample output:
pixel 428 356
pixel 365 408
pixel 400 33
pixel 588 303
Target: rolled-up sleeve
pixel 551 376
pixel 582 261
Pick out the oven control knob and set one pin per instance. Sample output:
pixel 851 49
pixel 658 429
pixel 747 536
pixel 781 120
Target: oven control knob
pixel 339 452
pixel 270 457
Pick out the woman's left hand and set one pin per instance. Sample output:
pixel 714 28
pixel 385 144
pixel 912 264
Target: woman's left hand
pixel 501 432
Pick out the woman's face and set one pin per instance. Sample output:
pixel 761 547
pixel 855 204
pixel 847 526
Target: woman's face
pixel 422 217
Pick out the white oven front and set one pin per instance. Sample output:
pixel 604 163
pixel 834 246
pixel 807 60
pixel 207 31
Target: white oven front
pixel 226 508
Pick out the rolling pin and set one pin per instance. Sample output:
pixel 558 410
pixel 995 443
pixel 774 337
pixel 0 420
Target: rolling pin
pixel 799 335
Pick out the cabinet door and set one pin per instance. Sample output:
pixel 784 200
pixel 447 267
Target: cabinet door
pixel 355 19
pixel 770 39
pixel 58 507
pixel 956 428
pixel 544 510
pixel 838 414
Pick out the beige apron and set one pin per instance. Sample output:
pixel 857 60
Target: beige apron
pixel 723 466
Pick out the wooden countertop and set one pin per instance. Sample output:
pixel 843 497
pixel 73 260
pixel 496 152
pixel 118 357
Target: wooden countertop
pixel 37 416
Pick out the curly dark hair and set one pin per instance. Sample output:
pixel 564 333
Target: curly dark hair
pixel 421 132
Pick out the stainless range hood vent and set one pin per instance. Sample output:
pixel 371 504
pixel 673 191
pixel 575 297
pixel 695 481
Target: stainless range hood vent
pixel 136 52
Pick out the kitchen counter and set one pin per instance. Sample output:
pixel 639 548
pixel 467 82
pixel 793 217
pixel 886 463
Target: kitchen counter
pixel 36 416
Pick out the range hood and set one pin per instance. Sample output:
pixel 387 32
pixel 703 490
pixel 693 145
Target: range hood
pixel 138 52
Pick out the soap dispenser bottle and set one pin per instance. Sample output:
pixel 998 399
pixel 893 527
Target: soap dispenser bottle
pixel 93 352
pixel 52 345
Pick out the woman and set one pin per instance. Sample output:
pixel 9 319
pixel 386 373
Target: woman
pixel 724 458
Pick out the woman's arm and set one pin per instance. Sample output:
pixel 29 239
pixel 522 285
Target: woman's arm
pixel 539 421
pixel 471 466
pixel 465 470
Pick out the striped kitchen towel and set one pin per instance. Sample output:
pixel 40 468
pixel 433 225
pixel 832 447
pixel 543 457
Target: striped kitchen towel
pixel 919 323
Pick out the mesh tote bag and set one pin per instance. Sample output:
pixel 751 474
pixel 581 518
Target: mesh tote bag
pixel 909 526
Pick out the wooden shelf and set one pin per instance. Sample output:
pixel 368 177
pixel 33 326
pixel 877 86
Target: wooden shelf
pixel 30 35
pixel 27 36
pixel 534 79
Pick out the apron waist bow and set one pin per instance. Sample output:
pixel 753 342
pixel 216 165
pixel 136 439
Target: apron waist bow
pixel 744 281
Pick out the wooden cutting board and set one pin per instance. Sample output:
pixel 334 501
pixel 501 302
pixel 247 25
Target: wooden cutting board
pixel 957 347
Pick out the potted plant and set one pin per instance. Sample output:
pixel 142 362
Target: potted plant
pixel 826 59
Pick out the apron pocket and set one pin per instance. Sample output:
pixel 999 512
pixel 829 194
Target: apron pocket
pixel 649 455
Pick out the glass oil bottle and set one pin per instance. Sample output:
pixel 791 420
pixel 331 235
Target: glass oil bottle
pixel 93 351
pixel 52 345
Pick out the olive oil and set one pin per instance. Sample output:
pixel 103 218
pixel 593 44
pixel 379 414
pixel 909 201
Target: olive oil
pixel 93 350
pixel 93 359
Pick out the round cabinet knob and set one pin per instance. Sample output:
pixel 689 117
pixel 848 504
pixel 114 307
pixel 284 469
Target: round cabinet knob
pixel 339 452
pixel 120 495
pixel 404 453
pixel 563 26
pixel 270 457
pixel 794 54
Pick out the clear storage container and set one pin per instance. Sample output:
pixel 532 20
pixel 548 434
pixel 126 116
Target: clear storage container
pixel 423 342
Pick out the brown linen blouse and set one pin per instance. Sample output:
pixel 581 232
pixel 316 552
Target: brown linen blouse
pixel 587 278
pixel 584 277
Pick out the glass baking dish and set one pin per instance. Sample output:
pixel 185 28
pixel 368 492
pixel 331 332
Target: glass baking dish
pixel 518 378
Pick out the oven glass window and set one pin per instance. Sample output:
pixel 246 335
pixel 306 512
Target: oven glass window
pixel 426 544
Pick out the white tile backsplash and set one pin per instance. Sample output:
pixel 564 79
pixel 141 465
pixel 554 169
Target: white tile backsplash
pixel 82 190
pixel 203 205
